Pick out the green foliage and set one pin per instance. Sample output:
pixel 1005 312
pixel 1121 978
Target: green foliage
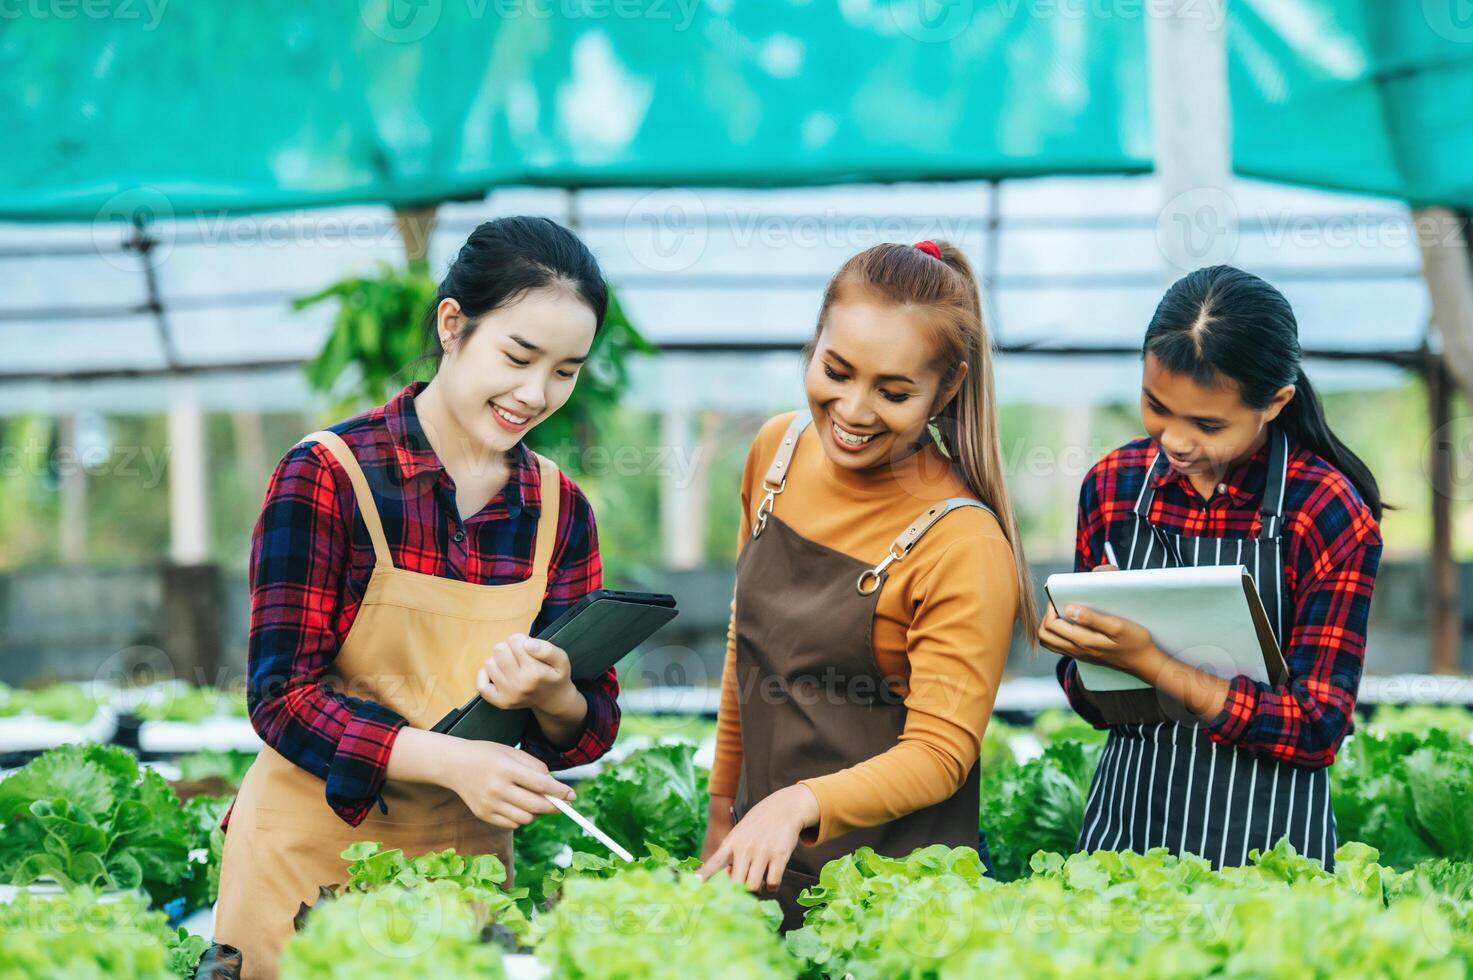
pixel 1409 796
pixel 657 728
pixel 479 876
pixel 378 331
pixel 434 928
pixel 654 796
pixel 1118 913
pixel 653 800
pixel 89 816
pixel 192 705
pixel 585 865
pixel 1419 719
pixel 1038 805
pixel 77 936
pixel 656 923
pixel 201 886
pixel 68 703
pixel 229 765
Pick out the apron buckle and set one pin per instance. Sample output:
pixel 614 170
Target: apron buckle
pixel 874 573
pixel 765 508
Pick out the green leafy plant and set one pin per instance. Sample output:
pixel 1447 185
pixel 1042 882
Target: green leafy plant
pixel 1117 913
pixel 1037 805
pixel 396 932
pixel 377 331
pixel 585 865
pixel 88 815
pixel 200 888
pixel 652 801
pixel 192 705
pixel 479 876
pixel 229 765
pixel 1419 719
pixel 656 923
pixel 1409 796
pixel 654 796
pixel 68 703
pixel 77 936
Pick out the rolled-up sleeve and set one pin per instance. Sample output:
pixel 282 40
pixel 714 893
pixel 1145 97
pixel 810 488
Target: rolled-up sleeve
pixel 1336 554
pixel 299 556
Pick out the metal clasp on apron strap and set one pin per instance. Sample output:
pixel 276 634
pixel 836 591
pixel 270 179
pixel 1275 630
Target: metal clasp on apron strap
pixel 907 539
pixel 776 476
pixel 878 570
pixel 765 508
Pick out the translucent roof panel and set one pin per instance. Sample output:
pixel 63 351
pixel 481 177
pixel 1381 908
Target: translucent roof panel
pixel 1068 263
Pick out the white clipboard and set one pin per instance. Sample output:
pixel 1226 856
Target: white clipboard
pixel 1207 616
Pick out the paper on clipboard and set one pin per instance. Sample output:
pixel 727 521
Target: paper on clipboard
pixel 1207 616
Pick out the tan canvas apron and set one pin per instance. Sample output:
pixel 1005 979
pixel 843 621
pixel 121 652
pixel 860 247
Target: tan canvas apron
pixel 415 647
pixel 812 699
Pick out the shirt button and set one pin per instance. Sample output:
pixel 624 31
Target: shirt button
pixel 458 536
pixel 1222 488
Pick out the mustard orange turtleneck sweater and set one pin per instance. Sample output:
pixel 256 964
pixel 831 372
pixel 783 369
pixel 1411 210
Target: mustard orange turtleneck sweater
pixel 943 622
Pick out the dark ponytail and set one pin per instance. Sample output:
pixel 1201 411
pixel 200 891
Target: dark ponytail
pixel 1223 322
pixel 507 258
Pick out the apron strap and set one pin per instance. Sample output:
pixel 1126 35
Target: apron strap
pixel 1272 509
pixel 907 539
pixel 367 506
pixel 776 476
pixel 551 488
pixel 1148 490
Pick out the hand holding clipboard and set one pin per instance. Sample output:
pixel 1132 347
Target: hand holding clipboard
pixel 1207 617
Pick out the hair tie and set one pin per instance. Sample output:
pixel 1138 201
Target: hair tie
pixel 930 248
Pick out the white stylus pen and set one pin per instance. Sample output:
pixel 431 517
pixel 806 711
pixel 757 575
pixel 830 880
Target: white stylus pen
pixel 1110 554
pixel 588 826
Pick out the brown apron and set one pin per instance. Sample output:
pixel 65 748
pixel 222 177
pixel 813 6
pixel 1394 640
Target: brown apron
pixel 415 647
pixel 811 698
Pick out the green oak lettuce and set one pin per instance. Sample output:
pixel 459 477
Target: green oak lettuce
pixel 654 924
pixel 88 815
pixel 395 932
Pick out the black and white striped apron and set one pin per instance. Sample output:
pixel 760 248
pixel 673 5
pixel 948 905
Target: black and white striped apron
pixel 1166 784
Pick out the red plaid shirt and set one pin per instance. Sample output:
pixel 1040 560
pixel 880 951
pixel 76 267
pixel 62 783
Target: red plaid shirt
pixel 311 559
pixel 1332 548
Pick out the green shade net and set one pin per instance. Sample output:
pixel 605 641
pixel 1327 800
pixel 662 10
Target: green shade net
pixel 201 106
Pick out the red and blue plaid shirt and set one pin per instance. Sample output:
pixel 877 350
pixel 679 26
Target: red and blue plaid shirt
pixel 1332 548
pixel 311 559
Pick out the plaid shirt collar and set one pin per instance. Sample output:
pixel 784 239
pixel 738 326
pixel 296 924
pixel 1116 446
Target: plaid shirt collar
pixel 416 459
pixel 1245 480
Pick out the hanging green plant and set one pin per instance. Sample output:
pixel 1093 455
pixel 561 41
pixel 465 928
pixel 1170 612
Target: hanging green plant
pixel 377 333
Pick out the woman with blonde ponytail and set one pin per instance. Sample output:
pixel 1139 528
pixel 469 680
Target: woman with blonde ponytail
pixel 879 579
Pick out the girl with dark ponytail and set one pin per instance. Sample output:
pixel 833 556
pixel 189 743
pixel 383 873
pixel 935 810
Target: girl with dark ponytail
pixel 1239 467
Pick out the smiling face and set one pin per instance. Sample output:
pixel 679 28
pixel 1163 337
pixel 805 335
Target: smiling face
pixel 517 367
pixel 1203 430
pixel 872 384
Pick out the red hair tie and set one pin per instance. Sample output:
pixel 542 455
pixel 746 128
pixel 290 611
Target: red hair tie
pixel 930 248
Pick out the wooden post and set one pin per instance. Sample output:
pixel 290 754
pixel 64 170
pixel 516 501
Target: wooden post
pixel 416 225
pixel 1446 267
pixel 1446 620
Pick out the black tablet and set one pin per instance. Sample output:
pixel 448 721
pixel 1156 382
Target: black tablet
pixel 597 633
